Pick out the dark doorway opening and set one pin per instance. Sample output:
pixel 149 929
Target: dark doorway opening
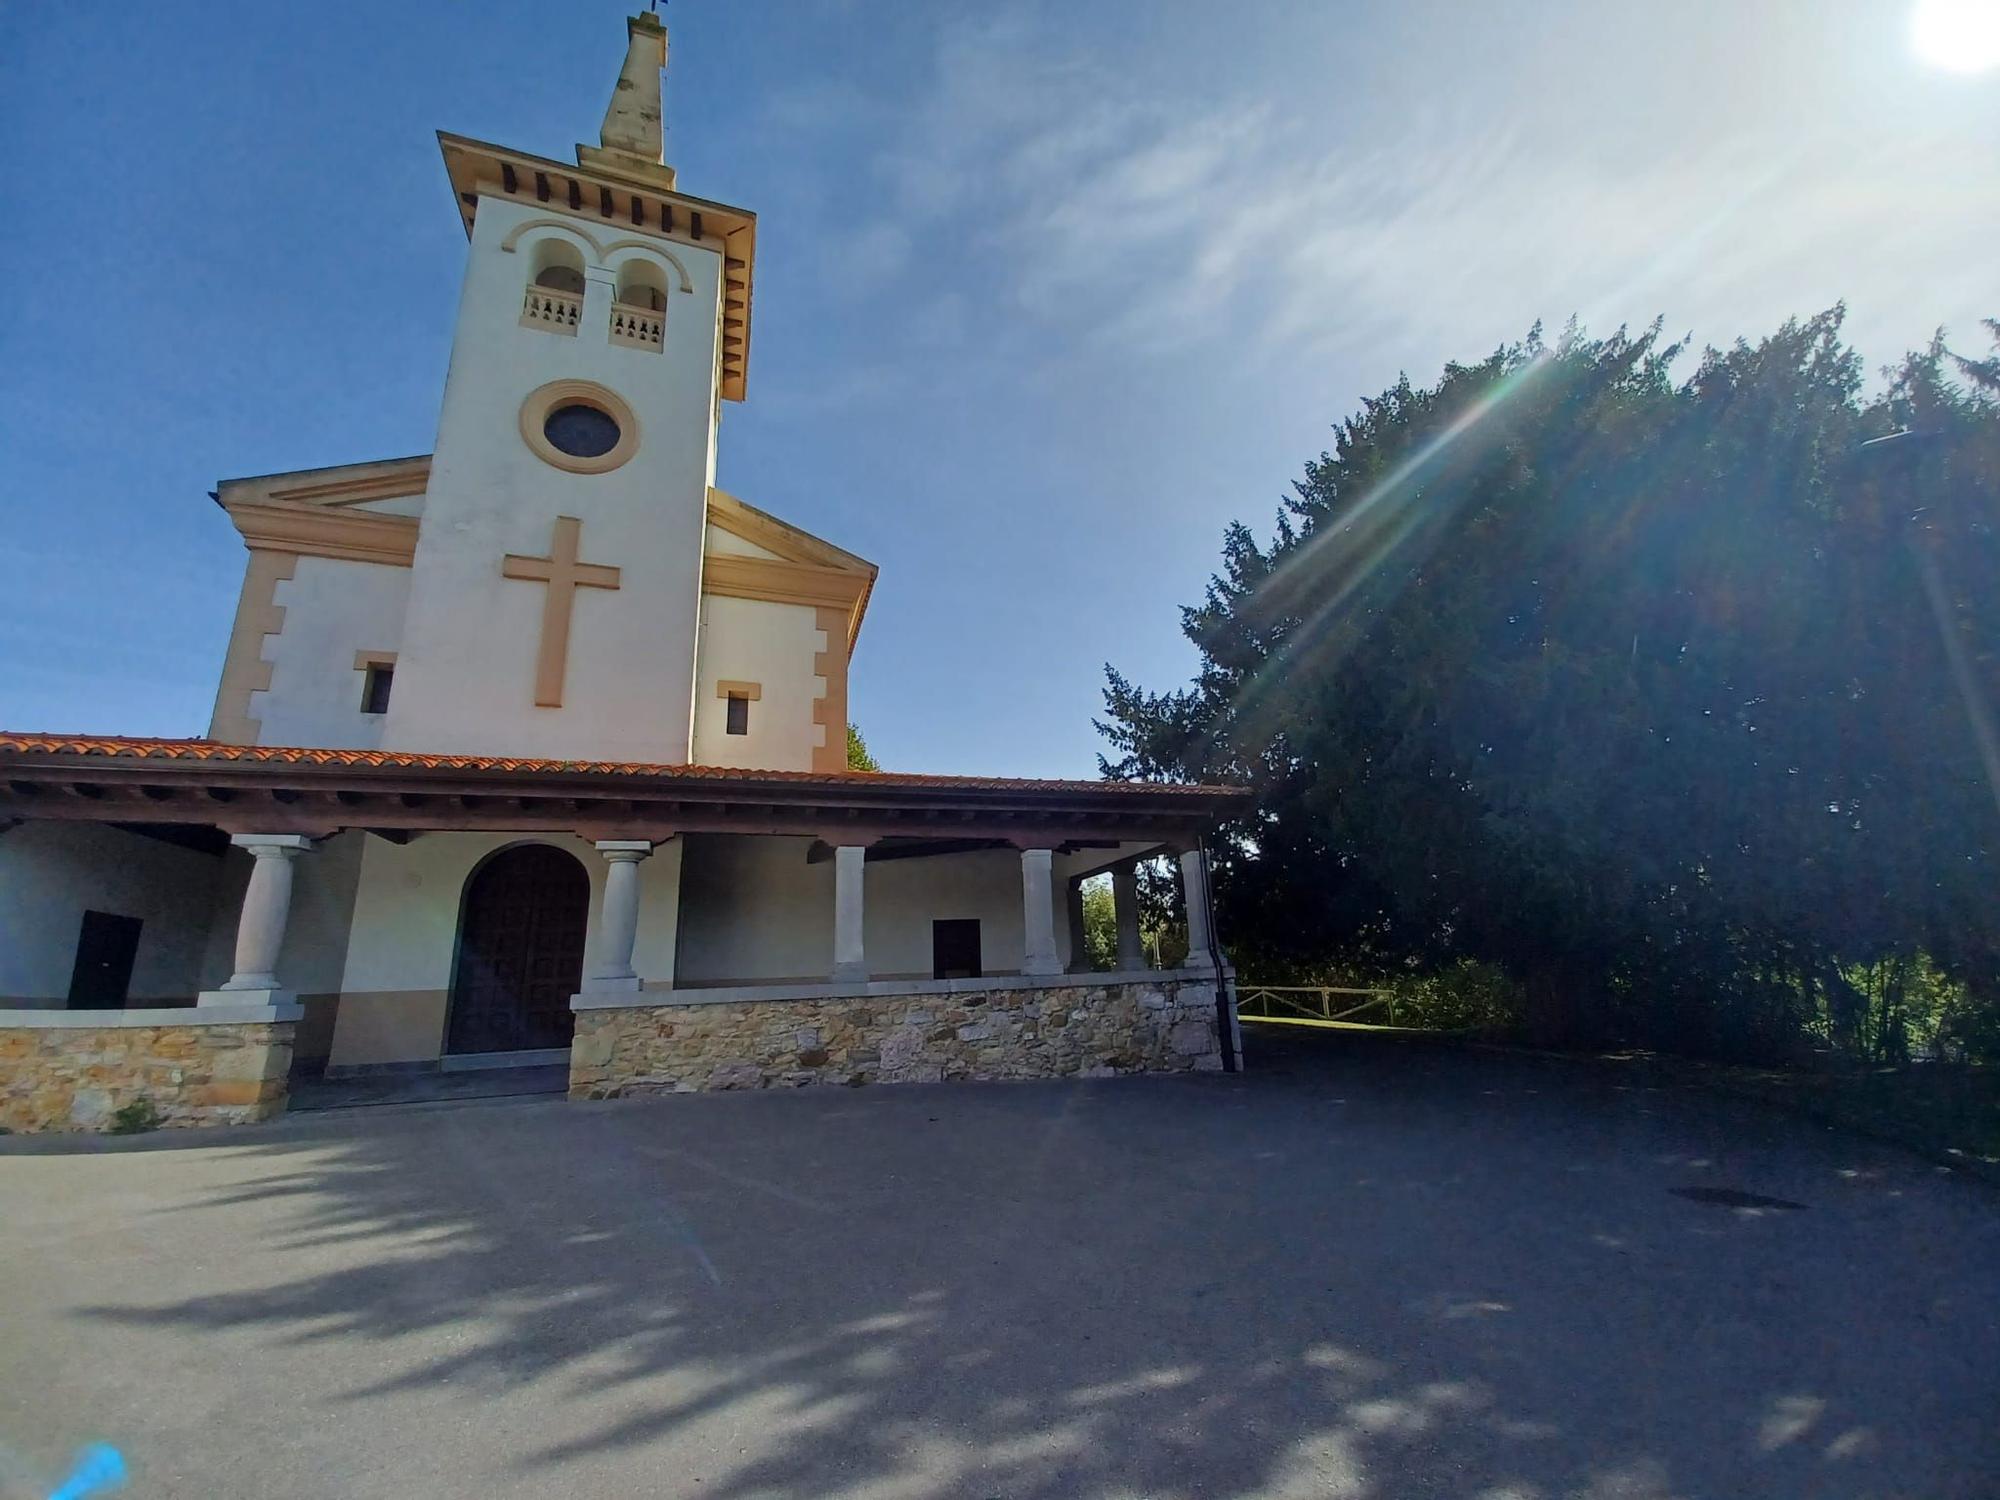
pixel 105 949
pixel 520 952
pixel 955 948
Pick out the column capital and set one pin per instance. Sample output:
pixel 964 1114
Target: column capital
pixel 268 845
pixel 620 851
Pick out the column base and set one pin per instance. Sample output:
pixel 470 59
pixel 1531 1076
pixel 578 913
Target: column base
pixel 271 995
pixel 849 974
pixel 613 984
pixel 1199 959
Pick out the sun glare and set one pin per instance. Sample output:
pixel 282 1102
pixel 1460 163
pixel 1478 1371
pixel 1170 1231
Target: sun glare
pixel 1962 36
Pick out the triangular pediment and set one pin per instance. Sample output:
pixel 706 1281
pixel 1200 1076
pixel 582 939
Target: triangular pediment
pixel 787 566
pixel 385 484
pixel 366 512
pixel 780 538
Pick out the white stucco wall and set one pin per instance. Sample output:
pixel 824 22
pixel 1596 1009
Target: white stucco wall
pixel 333 608
pixel 465 675
pixel 774 646
pixel 754 909
pixel 51 873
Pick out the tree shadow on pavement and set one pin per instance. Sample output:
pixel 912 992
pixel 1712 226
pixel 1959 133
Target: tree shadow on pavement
pixel 1356 1273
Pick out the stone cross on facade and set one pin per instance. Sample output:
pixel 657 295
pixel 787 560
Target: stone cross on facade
pixel 564 575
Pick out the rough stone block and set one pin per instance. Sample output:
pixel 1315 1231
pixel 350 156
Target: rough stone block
pixel 65 1078
pixel 251 1063
pixel 1097 1030
pixel 590 1049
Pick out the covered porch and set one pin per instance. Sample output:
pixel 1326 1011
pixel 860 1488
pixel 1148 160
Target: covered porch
pixel 400 910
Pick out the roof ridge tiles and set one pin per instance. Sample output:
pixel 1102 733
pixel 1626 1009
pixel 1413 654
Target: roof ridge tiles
pixel 197 748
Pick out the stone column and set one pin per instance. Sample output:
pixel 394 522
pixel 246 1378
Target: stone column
pixel 618 919
pixel 1079 950
pixel 1038 913
pixel 1194 890
pixel 850 958
pixel 1125 905
pixel 260 930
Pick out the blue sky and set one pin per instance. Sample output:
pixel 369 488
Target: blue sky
pixel 1047 293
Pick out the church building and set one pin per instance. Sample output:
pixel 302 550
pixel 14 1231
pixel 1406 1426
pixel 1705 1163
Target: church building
pixel 534 749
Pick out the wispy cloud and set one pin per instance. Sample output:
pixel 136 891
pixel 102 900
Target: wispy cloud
pixel 1146 225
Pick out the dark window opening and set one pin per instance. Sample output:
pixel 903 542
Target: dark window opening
pixel 955 948
pixel 738 721
pixel 105 949
pixel 581 431
pixel 375 684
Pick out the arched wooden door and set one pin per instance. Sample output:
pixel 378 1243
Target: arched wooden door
pixel 520 952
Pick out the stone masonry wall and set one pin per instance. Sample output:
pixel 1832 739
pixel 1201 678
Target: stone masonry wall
pixel 1039 1032
pixel 77 1078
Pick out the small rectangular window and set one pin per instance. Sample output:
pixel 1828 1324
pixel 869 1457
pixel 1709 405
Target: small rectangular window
pixel 375 684
pixel 738 721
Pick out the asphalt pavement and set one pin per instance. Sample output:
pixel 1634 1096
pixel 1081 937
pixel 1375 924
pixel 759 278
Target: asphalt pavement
pixel 1361 1269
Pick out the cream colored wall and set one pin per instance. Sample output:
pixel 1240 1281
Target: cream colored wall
pixel 333 608
pixel 403 938
pixel 465 677
pixel 754 909
pixel 772 645
pixel 399 505
pixel 729 544
pixel 904 896
pixel 51 873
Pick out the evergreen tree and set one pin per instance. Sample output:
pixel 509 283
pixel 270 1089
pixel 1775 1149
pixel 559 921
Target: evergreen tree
pixel 858 758
pixel 1670 698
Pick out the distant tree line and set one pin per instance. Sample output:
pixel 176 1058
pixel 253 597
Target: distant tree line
pixel 1665 705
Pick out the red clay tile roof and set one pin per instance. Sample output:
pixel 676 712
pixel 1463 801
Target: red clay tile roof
pixel 12 743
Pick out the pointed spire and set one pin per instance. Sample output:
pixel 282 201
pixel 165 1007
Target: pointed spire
pixel 631 143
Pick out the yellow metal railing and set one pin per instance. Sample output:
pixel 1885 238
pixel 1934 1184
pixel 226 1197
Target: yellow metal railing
pixel 1316 1004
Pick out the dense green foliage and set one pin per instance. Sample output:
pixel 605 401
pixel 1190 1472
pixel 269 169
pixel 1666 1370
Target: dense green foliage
pixel 858 758
pixel 1666 698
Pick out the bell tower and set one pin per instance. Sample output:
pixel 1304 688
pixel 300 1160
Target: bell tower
pixel 556 588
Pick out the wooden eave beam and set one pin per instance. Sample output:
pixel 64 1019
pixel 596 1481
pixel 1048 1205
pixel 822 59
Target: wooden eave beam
pixel 287 797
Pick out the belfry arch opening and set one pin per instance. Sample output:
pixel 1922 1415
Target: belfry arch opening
pixel 558 267
pixel 643 285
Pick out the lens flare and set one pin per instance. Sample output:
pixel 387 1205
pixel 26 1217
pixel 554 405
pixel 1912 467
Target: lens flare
pixel 1960 36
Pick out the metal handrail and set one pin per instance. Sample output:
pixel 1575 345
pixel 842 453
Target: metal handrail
pixel 1314 1003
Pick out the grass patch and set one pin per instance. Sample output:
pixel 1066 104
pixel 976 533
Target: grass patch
pixel 135 1118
